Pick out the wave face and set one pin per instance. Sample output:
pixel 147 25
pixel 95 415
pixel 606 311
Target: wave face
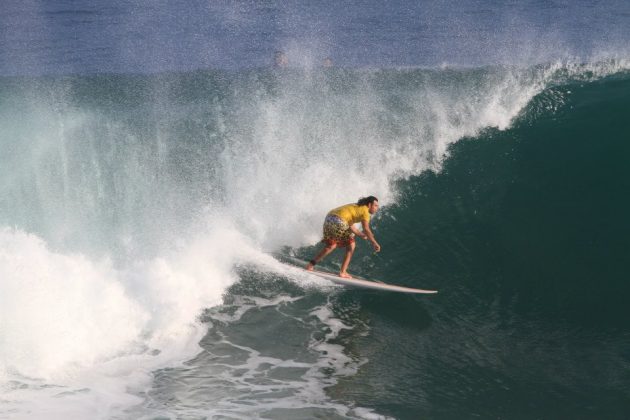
pixel 524 232
pixel 132 204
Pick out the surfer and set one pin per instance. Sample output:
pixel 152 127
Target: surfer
pixel 339 231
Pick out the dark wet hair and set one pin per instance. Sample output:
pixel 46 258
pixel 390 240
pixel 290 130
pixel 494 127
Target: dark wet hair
pixel 364 201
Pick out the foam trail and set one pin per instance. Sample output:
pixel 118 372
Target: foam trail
pixel 288 385
pixel 82 334
pixel 59 309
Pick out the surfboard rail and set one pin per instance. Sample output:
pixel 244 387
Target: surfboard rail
pixel 358 281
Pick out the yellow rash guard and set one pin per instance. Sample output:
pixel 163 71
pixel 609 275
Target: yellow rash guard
pixel 352 213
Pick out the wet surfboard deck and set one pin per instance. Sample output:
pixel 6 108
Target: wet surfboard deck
pixel 359 282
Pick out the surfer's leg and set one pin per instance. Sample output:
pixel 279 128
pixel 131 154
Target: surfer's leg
pixel 322 254
pixel 346 261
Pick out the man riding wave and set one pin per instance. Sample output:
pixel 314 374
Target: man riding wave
pixel 339 231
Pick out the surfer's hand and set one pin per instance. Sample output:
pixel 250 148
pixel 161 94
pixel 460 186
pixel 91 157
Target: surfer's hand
pixel 377 247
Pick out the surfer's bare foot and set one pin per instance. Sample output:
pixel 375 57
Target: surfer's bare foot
pixel 345 275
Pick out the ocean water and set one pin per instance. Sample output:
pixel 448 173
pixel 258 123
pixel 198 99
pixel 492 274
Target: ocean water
pixel 154 162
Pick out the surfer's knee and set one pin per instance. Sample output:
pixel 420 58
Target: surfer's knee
pixel 330 247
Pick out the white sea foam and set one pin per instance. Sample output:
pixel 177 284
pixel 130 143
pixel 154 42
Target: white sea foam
pixel 247 383
pixel 77 335
pixel 59 312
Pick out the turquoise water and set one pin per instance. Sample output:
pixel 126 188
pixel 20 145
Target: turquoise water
pixel 154 163
pixel 525 233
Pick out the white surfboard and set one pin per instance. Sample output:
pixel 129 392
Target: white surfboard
pixel 359 282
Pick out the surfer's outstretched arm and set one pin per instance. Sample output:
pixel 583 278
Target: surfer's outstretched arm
pixel 368 235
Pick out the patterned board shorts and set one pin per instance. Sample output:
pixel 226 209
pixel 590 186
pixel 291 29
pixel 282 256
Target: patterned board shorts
pixel 337 231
